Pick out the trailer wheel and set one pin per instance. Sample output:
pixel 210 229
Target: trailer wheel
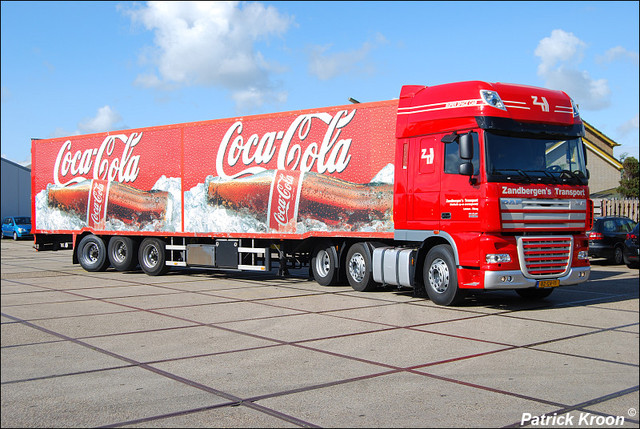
pixel 324 264
pixel 359 272
pixel 92 253
pixel 123 253
pixel 152 257
pixel 440 276
pixel 533 293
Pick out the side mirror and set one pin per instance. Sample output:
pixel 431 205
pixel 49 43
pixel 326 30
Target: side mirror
pixel 466 146
pixel 466 169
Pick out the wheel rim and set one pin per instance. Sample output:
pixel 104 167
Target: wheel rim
pixel 91 252
pixel 323 263
pixel 150 256
pixel 439 275
pixel 120 252
pixel 357 267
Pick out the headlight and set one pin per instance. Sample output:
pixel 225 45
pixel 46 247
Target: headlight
pixel 583 254
pixel 492 99
pixel 498 258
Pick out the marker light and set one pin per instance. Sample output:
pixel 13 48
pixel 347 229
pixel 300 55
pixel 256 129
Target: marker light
pixel 497 258
pixel 575 108
pixel 492 99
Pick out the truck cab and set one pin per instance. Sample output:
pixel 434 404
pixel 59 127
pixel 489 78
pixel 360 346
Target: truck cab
pixel 494 177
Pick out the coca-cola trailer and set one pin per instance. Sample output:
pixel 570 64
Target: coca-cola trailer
pixel 451 188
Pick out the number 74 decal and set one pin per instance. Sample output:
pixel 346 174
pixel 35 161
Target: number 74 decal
pixel 427 156
pixel 543 103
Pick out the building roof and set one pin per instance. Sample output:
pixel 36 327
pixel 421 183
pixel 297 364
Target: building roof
pixel 601 145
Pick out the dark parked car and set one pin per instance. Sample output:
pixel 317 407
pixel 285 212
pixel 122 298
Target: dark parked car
pixel 606 238
pixel 16 227
pixel 630 250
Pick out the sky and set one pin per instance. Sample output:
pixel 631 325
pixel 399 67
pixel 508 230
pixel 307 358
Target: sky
pixel 84 67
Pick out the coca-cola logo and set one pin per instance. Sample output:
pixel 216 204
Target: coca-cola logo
pixel 284 186
pixel 98 163
pixel 98 199
pixel 331 155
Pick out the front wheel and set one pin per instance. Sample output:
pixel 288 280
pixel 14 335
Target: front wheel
pixel 152 257
pixel 440 276
pixel 92 253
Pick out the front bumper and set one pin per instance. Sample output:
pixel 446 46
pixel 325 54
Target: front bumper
pixel 493 279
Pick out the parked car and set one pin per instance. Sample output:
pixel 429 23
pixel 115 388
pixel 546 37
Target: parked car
pixel 16 227
pixel 630 250
pixel 606 238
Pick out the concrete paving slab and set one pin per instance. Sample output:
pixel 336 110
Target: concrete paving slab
pixel 176 343
pixel 98 398
pixel 405 400
pixel 302 327
pixel 404 347
pixel 109 324
pixel 226 312
pixel 538 374
pixel 611 346
pixel 252 373
pixel 506 329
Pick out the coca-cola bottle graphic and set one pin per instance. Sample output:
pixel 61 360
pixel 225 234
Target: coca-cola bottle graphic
pixel 284 197
pixel 102 200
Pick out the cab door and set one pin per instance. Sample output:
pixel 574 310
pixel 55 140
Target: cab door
pixel 425 166
pixel 460 198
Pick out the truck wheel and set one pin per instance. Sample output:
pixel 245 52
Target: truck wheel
pixel 92 253
pixel 440 276
pixel 533 293
pixel 152 257
pixel 123 253
pixel 324 264
pixel 359 272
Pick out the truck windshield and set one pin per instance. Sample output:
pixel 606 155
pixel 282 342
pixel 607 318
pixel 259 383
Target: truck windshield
pixel 535 160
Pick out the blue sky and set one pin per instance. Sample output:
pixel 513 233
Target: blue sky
pixel 83 67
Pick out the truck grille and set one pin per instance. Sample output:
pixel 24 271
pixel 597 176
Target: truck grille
pixel 524 214
pixel 543 257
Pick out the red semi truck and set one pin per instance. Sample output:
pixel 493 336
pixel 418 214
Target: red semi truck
pixel 461 186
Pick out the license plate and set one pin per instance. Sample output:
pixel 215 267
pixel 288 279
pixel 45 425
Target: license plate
pixel 548 283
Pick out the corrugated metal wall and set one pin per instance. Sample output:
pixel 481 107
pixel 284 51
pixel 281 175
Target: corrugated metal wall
pixel 16 189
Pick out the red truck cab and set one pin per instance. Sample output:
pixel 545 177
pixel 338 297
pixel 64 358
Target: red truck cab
pixel 495 176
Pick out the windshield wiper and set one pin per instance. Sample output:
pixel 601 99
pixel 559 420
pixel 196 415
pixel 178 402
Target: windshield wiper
pixel 571 175
pixel 521 174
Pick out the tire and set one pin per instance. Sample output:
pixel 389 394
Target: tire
pixel 359 268
pixel 123 253
pixel 324 264
pixel 533 293
pixel 151 256
pixel 92 253
pixel 441 278
pixel 617 257
pixel 15 236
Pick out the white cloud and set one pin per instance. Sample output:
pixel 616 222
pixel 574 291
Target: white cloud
pixel 211 44
pixel 629 126
pixel 326 65
pixel 560 54
pixel 104 120
pixel 618 53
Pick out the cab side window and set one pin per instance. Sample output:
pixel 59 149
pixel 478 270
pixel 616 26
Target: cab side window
pixel 452 158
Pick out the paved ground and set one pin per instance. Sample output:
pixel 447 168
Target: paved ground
pixel 209 349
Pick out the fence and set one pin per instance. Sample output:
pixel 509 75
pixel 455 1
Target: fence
pixel 626 207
